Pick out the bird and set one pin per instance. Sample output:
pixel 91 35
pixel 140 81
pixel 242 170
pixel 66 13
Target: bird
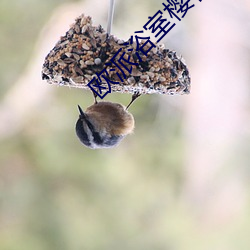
pixel 104 124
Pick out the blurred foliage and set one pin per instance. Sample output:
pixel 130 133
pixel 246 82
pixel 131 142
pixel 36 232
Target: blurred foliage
pixel 20 23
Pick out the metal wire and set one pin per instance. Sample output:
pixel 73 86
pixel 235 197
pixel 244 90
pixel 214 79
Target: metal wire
pixel 110 16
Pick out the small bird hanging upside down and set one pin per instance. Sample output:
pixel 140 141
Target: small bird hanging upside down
pixel 104 124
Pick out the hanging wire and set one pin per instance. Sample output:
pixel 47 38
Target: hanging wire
pixel 110 16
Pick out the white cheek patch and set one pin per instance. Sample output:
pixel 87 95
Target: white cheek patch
pixel 90 135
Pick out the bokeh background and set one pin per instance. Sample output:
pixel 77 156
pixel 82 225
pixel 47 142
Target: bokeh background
pixel 180 182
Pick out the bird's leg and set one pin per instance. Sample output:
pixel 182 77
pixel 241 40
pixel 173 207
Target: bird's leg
pixel 95 95
pixel 134 97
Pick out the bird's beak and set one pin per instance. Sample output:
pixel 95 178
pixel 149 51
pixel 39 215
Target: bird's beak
pixel 82 115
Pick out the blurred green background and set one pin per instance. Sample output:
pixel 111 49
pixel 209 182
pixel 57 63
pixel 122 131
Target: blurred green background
pixel 180 182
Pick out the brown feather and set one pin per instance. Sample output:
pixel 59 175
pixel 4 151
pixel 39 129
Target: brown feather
pixel 111 117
